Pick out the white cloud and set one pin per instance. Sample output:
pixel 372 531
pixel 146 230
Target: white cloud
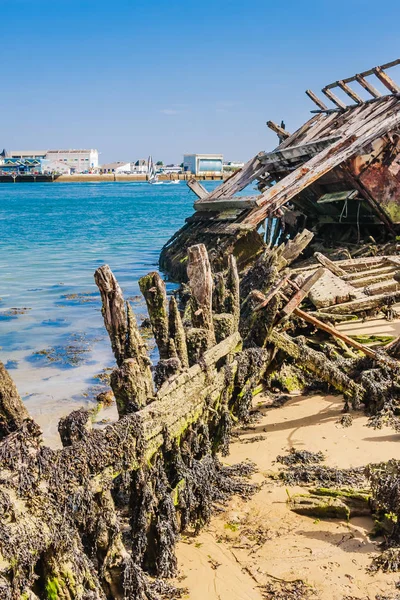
pixel 170 111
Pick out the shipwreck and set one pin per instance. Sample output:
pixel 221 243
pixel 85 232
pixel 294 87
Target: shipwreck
pixel 338 175
pixel 268 280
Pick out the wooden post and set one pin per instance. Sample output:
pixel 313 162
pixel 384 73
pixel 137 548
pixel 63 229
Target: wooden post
pixel 12 410
pixel 153 290
pixel 177 332
pixel 201 286
pixel 132 382
pixel 232 302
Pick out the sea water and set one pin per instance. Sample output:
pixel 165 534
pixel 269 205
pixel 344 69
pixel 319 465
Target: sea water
pixel 53 237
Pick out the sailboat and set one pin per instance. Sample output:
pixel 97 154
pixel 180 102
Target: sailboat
pixel 153 177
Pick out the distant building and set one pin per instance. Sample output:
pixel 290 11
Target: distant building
pixel 172 169
pixel 77 161
pixel 233 166
pixel 116 167
pixel 55 166
pixel 20 166
pixel 203 164
pixel 140 166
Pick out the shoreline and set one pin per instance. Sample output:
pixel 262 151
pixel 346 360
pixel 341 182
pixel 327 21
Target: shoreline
pixel 105 178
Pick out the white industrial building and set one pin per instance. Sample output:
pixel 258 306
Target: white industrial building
pixel 140 166
pixel 203 164
pixel 77 161
pixel 116 167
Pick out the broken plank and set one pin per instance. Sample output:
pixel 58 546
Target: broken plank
pixel 363 304
pixel 336 270
pixel 226 203
pixel 337 334
pixel 272 292
pixel 302 292
pixel 197 188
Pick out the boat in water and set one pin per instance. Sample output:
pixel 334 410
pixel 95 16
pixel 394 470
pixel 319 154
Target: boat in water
pixel 152 173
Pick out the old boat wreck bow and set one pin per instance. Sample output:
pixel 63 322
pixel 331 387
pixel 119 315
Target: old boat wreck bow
pixel 338 175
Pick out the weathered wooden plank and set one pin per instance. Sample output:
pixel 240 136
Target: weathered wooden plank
pixel 336 270
pixel 237 181
pixel 272 293
pixel 335 333
pixel 197 188
pixel 362 133
pixel 224 203
pixel 363 304
pixel 386 80
pixel 333 98
pixel 368 86
pixel 316 100
pixel 302 292
pixel 280 131
pixel 347 90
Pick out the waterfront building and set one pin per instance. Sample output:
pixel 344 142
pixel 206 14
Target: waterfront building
pixel 172 169
pixel 203 164
pixel 116 167
pixel 233 166
pixel 56 167
pixel 78 161
pixel 140 166
pixel 20 166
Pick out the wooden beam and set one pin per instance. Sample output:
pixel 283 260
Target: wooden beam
pixel 226 203
pixel 368 86
pixel 282 133
pixel 316 100
pixel 362 304
pixel 337 334
pixel 351 93
pixel 329 94
pixel 386 80
pixel 197 188
pixel 302 292
pixel 329 264
pixel 272 293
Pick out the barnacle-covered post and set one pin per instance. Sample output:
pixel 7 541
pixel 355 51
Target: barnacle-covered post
pixel 12 410
pixel 177 332
pixel 153 290
pixel 131 381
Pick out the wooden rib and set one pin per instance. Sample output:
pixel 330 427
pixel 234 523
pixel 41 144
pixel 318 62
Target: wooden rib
pixel 335 269
pixel 347 90
pixel 368 86
pixel 238 181
pixel 363 131
pixel 386 80
pixel 333 98
pixel 316 100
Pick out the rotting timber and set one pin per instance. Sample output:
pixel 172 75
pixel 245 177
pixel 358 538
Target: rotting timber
pixel 92 520
pixel 338 176
pixel 96 518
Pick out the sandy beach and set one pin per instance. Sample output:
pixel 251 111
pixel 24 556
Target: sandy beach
pixel 259 542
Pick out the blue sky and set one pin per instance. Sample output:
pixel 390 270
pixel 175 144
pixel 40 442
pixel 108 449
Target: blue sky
pixel 168 77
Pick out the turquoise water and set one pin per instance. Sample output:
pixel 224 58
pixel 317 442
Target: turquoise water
pixel 53 237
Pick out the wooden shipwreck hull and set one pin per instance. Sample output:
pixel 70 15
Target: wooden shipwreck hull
pixel 338 175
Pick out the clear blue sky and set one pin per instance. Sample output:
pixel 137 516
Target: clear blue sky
pixel 169 76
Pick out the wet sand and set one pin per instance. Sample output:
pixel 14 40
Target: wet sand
pixel 252 543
